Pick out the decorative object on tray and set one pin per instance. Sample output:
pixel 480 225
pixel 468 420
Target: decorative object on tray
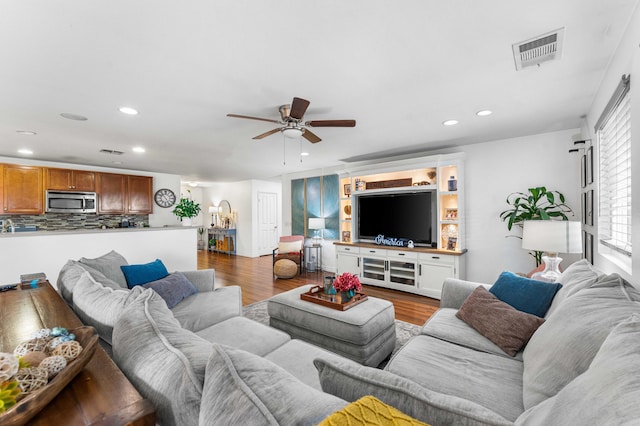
pixel 328 285
pixel 348 284
pixel 37 370
pixel 334 301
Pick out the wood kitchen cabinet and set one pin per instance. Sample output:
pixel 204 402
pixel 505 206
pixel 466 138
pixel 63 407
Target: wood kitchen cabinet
pixel 140 197
pixel 66 179
pixel 22 189
pixel 122 194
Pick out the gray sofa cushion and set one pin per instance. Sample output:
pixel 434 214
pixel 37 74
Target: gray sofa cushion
pixel 243 333
pixel 564 346
pixel 607 392
pixel 172 288
pixel 205 309
pixel 351 381
pixel 297 358
pixel 444 325
pixel 100 306
pixel 491 381
pixel 70 274
pixel 241 388
pixel 163 361
pixel 109 265
pixel 578 276
pixel 507 327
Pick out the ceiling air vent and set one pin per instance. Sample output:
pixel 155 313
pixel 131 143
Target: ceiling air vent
pixel 111 151
pixel 547 47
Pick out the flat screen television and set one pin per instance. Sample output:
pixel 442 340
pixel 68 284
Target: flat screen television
pixel 405 215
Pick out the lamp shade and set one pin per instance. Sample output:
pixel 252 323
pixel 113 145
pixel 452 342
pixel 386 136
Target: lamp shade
pixel 213 209
pixel 552 236
pixel 316 223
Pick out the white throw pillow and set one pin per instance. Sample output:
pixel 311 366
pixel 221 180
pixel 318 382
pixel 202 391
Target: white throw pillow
pixel 289 247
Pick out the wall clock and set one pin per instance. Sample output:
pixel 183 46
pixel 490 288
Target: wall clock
pixel 164 197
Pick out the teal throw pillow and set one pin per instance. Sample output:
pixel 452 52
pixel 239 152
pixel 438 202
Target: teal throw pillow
pixel 145 273
pixel 172 288
pixel 531 296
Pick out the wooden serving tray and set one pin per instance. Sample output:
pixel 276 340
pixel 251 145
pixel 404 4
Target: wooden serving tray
pixel 334 301
pixel 29 406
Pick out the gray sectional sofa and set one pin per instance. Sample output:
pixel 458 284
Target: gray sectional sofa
pixel 208 365
pixel 579 367
pixel 175 357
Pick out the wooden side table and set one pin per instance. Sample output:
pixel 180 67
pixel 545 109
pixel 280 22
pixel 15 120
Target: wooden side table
pixel 100 394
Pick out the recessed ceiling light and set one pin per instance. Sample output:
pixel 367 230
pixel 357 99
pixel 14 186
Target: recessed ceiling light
pixel 117 162
pixel 26 132
pixel 76 117
pixel 25 151
pixel 304 154
pixel 138 149
pixel 193 184
pixel 450 122
pixel 484 113
pixel 128 110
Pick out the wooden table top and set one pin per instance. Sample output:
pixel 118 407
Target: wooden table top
pixel 100 394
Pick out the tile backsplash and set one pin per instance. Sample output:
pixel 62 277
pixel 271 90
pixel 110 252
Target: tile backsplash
pixel 70 221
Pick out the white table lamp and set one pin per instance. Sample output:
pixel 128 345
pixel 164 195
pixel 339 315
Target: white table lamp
pixel 551 237
pixel 316 223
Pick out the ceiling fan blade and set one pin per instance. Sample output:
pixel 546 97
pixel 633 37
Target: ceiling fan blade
pixel 253 118
pixel 265 134
pixel 331 123
pixel 311 137
pixel 298 108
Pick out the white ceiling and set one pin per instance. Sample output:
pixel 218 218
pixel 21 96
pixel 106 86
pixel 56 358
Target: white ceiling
pixel 399 68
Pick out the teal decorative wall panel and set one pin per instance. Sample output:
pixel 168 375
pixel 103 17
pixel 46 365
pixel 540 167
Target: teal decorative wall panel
pixel 297 207
pixel 315 197
pixel 331 206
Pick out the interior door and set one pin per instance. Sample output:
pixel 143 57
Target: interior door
pixel 267 222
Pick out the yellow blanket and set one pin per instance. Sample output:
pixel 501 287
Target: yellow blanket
pixel 367 411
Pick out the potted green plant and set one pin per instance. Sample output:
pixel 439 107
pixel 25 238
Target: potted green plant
pixel 536 204
pixel 186 209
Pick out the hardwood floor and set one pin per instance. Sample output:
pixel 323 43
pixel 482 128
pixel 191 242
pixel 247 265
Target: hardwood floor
pixel 255 276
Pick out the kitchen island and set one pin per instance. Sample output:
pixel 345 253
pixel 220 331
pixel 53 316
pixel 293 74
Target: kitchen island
pixel 47 251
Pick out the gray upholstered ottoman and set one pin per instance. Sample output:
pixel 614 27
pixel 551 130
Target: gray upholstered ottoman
pixel 365 333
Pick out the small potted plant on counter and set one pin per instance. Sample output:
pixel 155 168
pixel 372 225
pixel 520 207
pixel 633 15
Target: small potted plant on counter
pixel 186 210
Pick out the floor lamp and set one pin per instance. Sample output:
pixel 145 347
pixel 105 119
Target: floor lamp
pixel 551 237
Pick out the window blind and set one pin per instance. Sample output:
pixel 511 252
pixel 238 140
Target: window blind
pixel 614 165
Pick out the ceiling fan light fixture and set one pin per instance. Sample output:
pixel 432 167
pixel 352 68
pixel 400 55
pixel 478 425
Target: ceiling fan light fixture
pixel 292 132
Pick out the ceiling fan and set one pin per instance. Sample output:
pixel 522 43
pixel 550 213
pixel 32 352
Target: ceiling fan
pixel 291 122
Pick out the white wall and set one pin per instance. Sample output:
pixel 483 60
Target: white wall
pixel 492 171
pixel 47 252
pixel 625 61
pixel 243 198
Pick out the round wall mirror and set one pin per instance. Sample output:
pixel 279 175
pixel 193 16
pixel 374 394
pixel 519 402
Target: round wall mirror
pixel 225 208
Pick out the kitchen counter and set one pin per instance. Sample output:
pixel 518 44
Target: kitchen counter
pixel 90 231
pixel 48 251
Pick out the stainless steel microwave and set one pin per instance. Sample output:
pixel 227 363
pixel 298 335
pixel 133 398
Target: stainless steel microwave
pixel 71 202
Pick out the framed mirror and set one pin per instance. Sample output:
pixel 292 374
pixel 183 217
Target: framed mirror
pixel 225 208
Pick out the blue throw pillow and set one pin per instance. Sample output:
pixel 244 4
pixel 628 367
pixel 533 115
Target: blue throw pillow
pixel 142 274
pixel 531 296
pixel 172 288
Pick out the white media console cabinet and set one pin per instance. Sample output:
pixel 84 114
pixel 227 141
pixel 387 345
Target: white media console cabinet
pixel 417 270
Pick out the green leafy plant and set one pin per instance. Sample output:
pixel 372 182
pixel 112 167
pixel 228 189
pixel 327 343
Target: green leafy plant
pixel 9 392
pixel 186 207
pixel 536 204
